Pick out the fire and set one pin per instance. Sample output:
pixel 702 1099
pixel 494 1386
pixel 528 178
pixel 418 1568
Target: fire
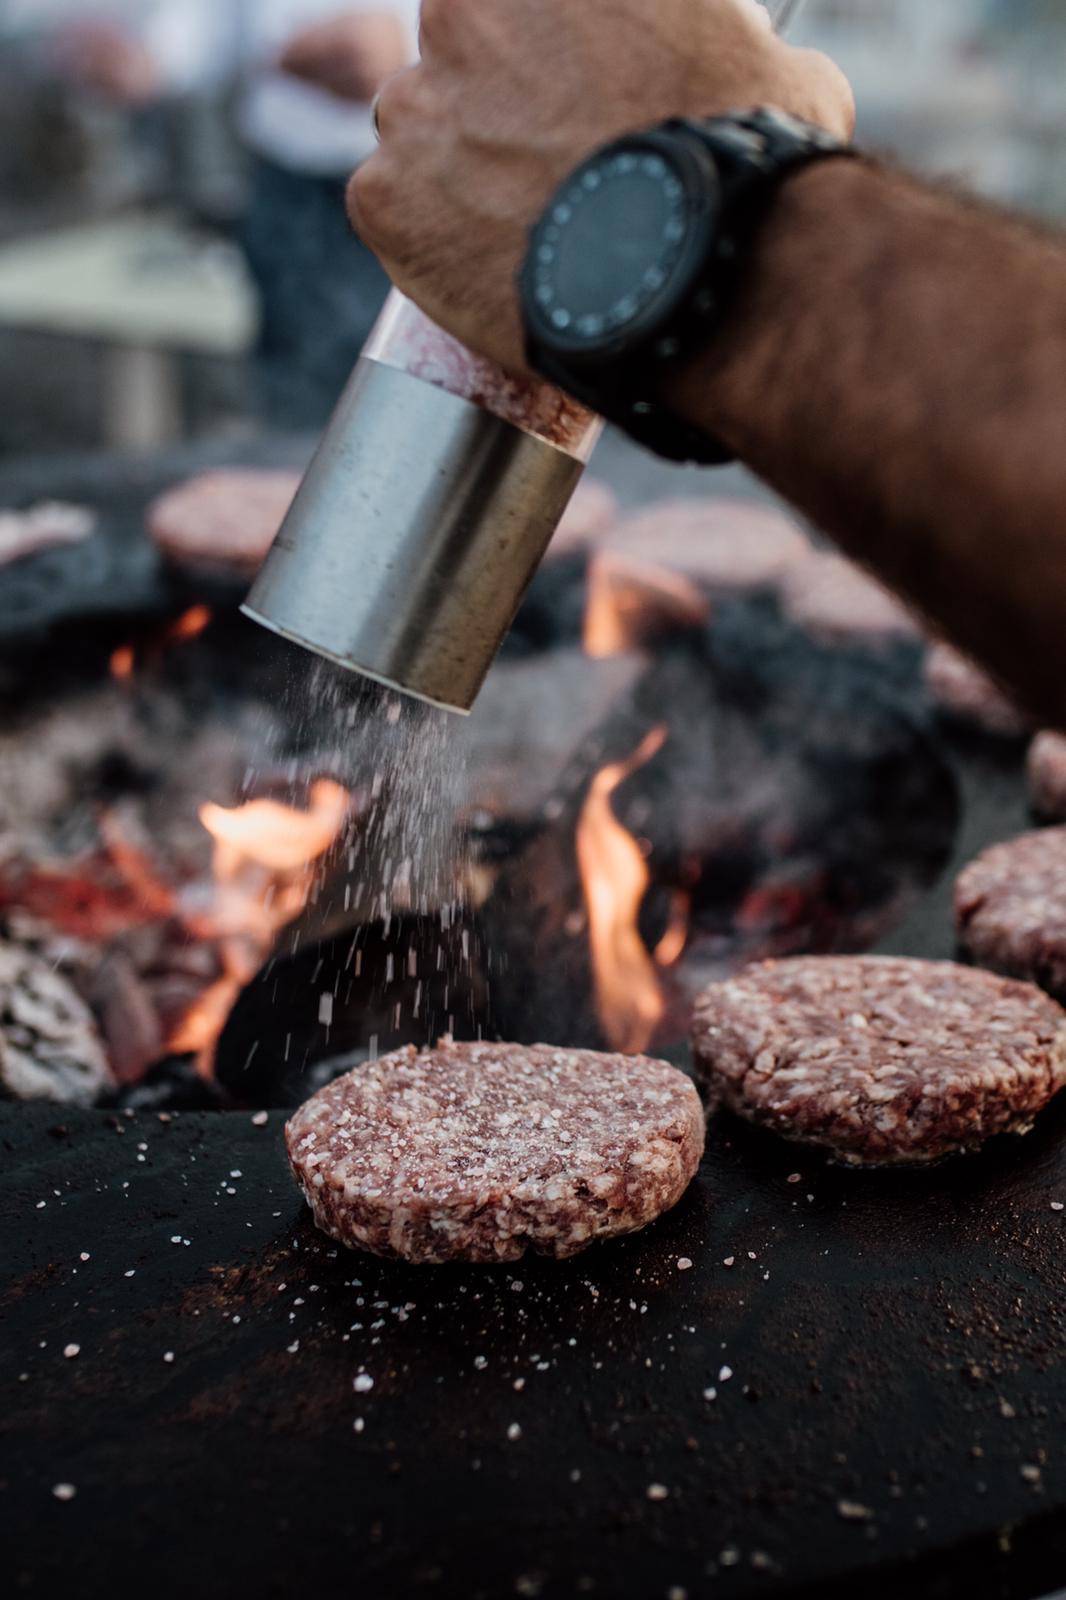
pixel 629 999
pixel 631 603
pixel 190 624
pixel 264 868
pixel 122 662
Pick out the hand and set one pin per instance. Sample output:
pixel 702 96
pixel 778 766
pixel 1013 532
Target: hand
pixel 508 99
pixel 102 58
pixel 351 55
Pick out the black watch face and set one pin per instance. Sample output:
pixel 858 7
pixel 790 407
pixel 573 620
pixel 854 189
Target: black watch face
pixel 615 244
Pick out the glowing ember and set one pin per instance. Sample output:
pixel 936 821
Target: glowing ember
pixel 631 603
pixel 190 624
pixel 265 866
pixel 629 1000
pixel 122 662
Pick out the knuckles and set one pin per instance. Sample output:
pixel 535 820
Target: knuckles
pixel 443 22
pixel 368 201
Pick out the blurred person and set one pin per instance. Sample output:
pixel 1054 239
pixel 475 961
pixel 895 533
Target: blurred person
pixel 890 356
pixel 304 74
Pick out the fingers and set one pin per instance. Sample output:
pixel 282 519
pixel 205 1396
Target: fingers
pixel 830 95
pixel 444 27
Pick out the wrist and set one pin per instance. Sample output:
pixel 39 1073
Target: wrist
pixel 727 386
pixel 639 257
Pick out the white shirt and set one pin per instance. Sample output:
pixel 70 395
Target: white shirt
pixel 203 43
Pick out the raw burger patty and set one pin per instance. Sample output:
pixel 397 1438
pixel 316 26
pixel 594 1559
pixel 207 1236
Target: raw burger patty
pixel 1047 776
pixel 223 520
pixel 960 687
pixel 1010 909
pixel 729 547
pixel 880 1060
pixel 835 601
pixel 475 1152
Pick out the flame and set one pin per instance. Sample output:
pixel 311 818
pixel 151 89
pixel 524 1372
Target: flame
pixel 671 946
pixel 190 624
pixel 629 999
pixel 264 867
pixel 122 662
pixel 630 603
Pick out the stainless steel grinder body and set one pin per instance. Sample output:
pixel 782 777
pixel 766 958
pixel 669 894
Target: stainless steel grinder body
pixel 414 536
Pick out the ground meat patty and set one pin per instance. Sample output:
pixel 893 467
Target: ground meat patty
pixel 836 602
pixel 1047 776
pixel 222 521
pixel 477 1152
pixel 1010 909
pixel 729 547
pixel 964 691
pixel 880 1060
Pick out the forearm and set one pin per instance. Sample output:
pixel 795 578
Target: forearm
pixel 896 367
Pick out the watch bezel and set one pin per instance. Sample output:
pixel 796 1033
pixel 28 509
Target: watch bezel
pixel 694 165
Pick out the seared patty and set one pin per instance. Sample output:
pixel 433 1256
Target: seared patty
pixel 1010 909
pixel 880 1060
pixel 478 1152
pixel 222 521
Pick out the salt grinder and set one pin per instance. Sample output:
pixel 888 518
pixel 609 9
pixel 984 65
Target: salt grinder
pixel 426 510
pixel 424 514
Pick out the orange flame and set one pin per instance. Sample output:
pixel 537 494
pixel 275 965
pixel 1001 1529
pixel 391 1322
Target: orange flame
pixel 629 999
pixel 630 603
pixel 122 662
pixel 265 863
pixel 190 624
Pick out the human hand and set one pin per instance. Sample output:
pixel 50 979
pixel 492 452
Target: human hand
pixel 101 57
pixel 350 55
pixel 506 102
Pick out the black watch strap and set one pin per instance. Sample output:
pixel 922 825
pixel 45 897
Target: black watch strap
pixel 753 154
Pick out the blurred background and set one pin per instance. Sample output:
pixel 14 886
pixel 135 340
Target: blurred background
pixel 174 260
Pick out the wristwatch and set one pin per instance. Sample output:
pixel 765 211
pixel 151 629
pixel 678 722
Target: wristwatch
pixel 635 262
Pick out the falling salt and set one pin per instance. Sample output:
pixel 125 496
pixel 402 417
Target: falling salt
pixel 325 1008
pixel 363 1383
pixel 657 1491
pixel 71 1350
pixel 514 1431
pixel 683 1263
pixel 260 1119
pixel 64 1491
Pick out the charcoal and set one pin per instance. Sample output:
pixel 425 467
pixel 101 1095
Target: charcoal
pixel 171 1085
pixel 405 981
pixel 50 1048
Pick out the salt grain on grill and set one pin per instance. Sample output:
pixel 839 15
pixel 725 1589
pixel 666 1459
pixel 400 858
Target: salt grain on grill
pixel 683 1263
pixel 852 1511
pixel 1058 1205
pixel 84 1256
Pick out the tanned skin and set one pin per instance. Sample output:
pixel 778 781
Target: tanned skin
pixel 897 368
pixel 896 362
